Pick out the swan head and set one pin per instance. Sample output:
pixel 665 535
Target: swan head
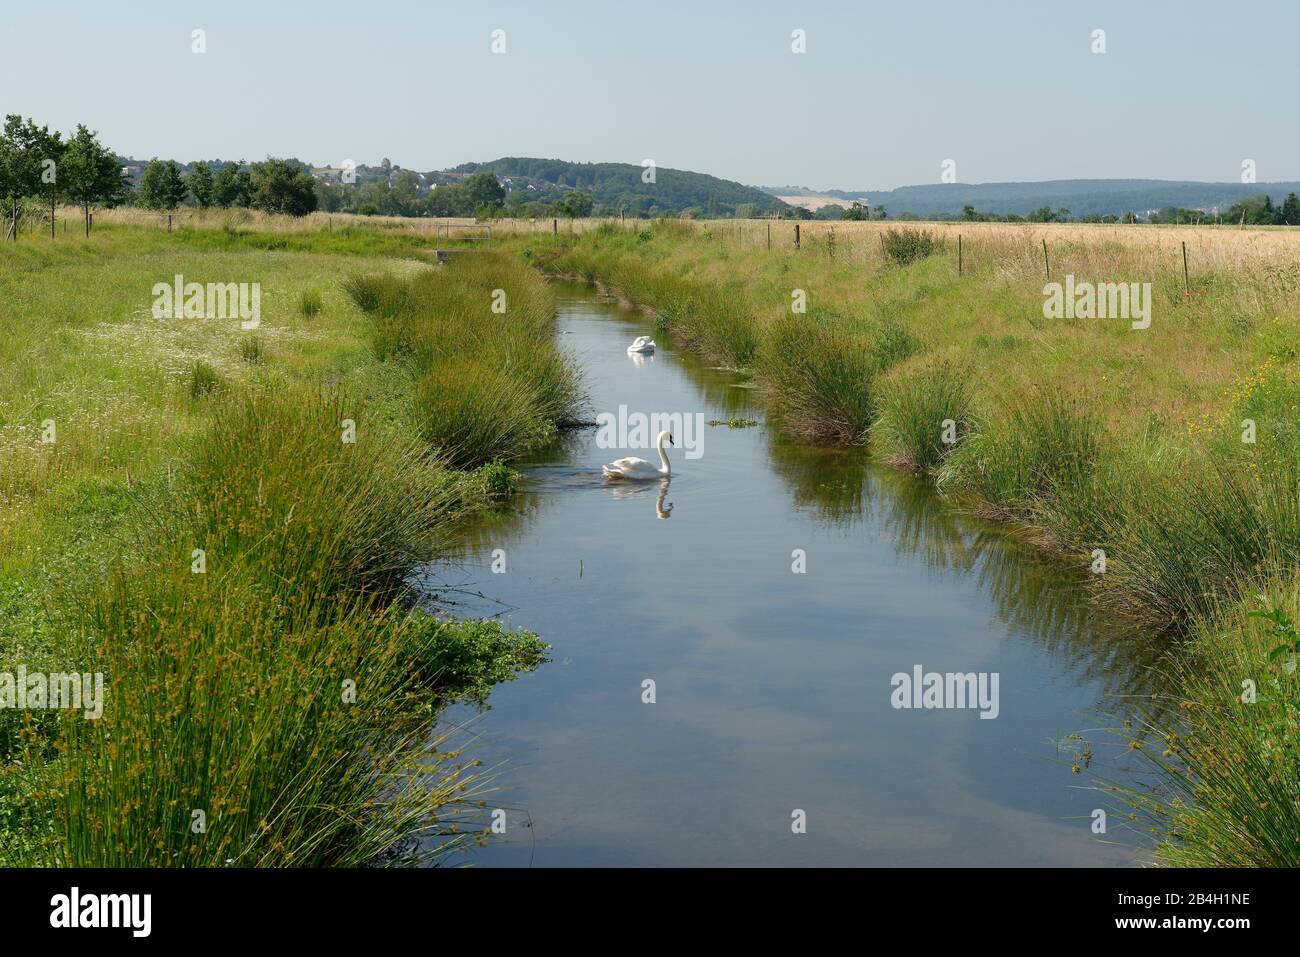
pixel 668 436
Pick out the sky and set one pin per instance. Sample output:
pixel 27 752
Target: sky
pixel 884 93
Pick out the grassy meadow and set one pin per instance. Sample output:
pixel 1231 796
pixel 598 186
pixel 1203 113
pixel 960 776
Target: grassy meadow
pixel 1165 459
pixel 222 520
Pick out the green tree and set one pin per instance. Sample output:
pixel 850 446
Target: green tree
pixel 282 186
pixel 404 193
pixel 199 182
pixel 26 151
pixel 162 186
pixel 575 204
pixel 50 146
pixel 1291 210
pixel 89 174
pixel 232 186
pixel 483 189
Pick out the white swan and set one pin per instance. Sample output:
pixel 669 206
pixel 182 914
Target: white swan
pixel 642 344
pixel 639 469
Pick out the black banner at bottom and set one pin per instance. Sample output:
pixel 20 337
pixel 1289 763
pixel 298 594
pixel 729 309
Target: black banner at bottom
pixel 367 906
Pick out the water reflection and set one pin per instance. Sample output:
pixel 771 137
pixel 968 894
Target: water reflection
pixel 622 490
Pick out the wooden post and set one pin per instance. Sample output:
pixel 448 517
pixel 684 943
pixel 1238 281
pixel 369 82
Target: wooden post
pixel 959 254
pixel 555 227
pixel 796 235
pixel 769 235
pixel 169 222
pixel 51 216
pixel 1186 286
pixel 1046 265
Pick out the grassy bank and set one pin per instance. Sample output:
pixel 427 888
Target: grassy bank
pixel 221 521
pixel 1164 459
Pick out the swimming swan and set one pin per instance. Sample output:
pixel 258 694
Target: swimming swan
pixel 642 344
pixel 639 469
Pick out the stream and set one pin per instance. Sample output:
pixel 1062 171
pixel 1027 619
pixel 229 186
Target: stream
pixel 774 735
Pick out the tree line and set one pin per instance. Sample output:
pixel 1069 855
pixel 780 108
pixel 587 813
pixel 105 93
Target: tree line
pixel 38 166
pixel 272 186
pixel 39 169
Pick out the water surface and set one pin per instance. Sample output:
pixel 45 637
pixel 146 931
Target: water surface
pixel 772 688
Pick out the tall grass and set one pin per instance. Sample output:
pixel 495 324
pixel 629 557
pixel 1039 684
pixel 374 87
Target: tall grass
pixel 817 380
pixel 1041 448
pixel 490 384
pixel 924 414
pixel 234 545
pixel 1226 769
pixel 274 688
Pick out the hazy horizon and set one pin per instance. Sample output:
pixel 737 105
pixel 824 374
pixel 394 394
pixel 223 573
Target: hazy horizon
pixel 880 99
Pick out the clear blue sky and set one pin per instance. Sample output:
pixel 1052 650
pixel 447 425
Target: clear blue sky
pixel 885 92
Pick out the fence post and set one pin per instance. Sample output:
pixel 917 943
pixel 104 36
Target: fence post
pixel 796 235
pixel 959 254
pixel 555 227
pixel 1046 265
pixel 1187 289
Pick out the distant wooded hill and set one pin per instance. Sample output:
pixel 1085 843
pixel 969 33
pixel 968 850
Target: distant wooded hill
pixel 1082 197
pixel 618 186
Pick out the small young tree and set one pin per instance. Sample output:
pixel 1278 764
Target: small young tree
pixel 24 150
pixel 89 174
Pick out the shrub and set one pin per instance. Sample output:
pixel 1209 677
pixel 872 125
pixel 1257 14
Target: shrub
pixel 906 246
pixel 499 480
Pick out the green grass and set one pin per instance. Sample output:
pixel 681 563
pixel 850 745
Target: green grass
pixel 925 413
pixel 310 303
pixel 292 466
pixel 489 384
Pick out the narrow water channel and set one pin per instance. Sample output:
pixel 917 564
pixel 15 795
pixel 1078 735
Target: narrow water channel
pixel 772 687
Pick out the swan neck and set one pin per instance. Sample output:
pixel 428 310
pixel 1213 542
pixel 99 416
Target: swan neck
pixel 663 459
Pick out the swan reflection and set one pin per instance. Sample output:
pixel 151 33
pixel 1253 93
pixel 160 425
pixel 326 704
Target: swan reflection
pixel 626 490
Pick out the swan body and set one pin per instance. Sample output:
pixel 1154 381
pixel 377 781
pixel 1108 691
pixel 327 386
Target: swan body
pixel 642 344
pixel 635 469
